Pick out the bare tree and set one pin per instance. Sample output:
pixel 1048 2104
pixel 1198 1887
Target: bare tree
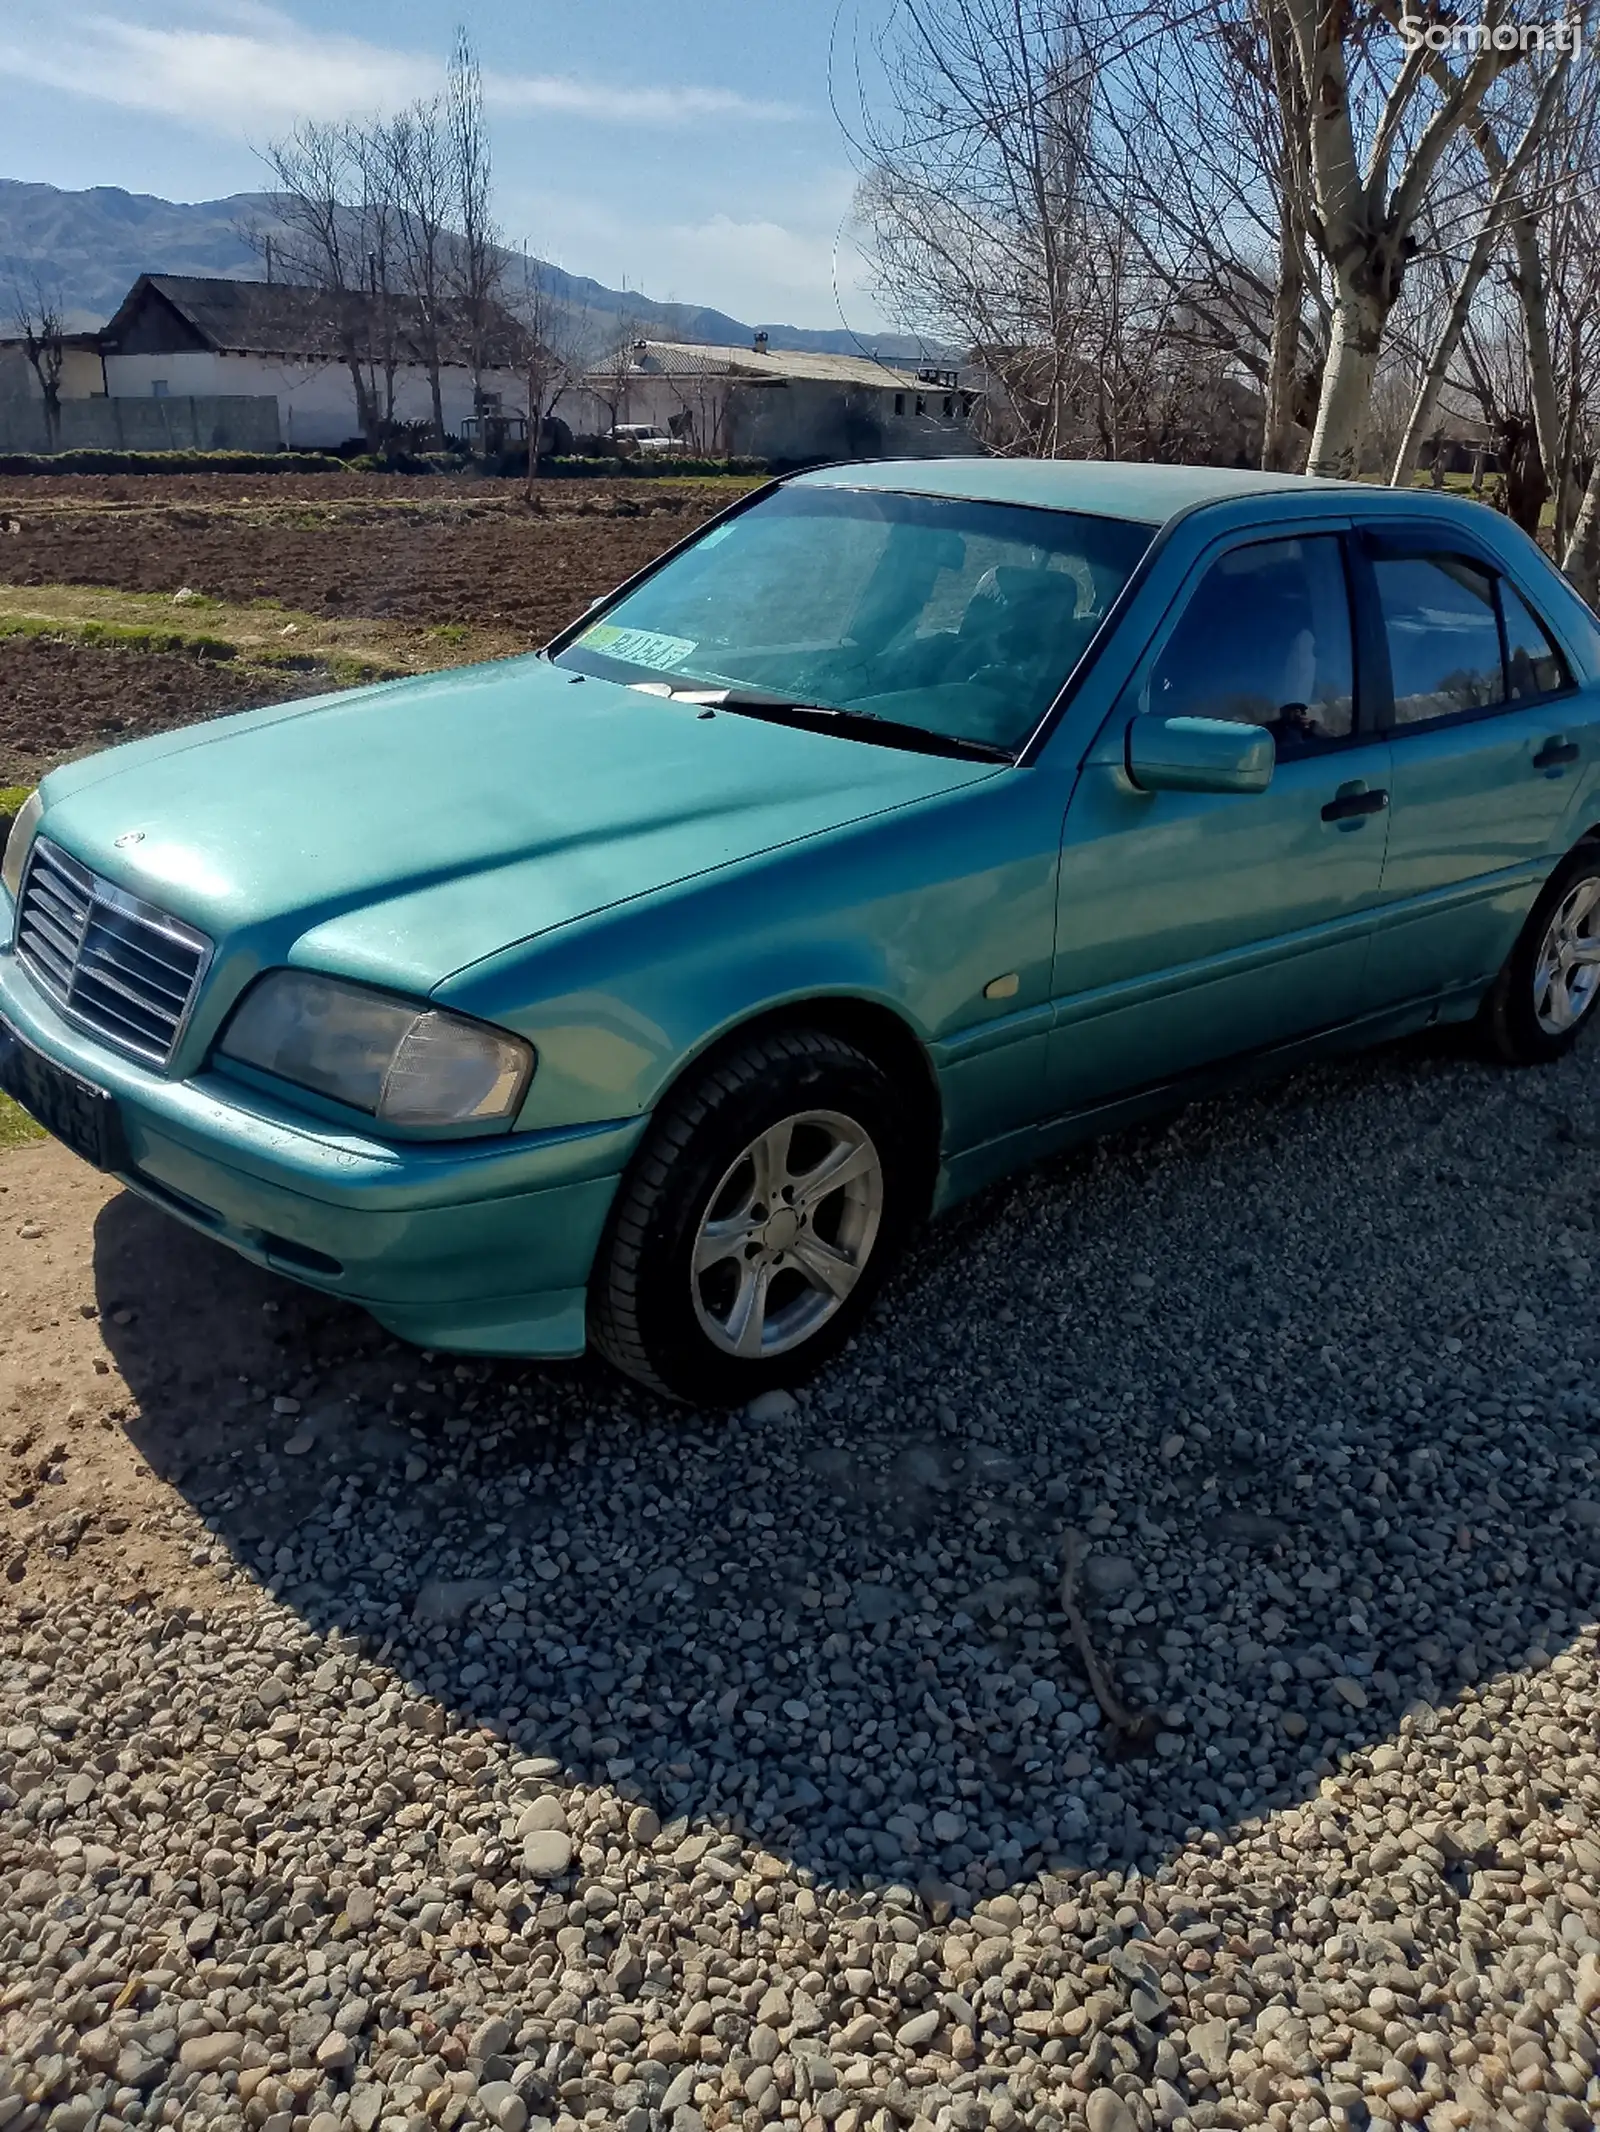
pixel 1381 114
pixel 610 372
pixel 41 327
pixel 1209 106
pixel 1106 207
pixel 974 198
pixel 1502 210
pixel 419 171
pixel 317 176
pixel 479 256
pixel 556 343
pixel 378 232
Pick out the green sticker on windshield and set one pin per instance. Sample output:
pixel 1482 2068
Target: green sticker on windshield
pixel 640 647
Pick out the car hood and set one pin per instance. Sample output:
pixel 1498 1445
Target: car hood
pixel 399 833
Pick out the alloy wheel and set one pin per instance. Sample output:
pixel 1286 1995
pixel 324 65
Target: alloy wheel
pixel 1567 972
pixel 787 1234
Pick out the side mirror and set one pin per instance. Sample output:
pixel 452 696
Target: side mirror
pixel 1199 755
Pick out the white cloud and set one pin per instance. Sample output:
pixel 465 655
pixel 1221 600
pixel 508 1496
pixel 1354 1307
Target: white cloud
pixel 777 266
pixel 674 105
pixel 245 67
pixel 795 271
pixel 220 79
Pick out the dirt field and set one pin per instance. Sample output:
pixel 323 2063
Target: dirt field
pixel 467 561
pixel 420 550
pixel 59 699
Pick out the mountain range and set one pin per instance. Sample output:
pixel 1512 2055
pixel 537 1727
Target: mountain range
pixel 88 248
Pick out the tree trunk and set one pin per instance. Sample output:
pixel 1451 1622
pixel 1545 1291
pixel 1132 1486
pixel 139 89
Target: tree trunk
pixel 1279 449
pixel 436 396
pixel 1427 399
pixel 1346 404
pixel 1582 559
pixel 1541 363
pixel 1523 473
pixel 535 431
pixel 366 410
pixel 1277 435
pixel 1567 494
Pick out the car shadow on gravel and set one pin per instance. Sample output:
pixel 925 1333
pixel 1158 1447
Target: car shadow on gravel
pixel 1294 1365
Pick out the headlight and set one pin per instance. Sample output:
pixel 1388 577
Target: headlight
pixel 405 1063
pixel 18 844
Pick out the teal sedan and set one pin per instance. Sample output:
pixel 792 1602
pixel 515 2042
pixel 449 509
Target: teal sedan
pixel 907 823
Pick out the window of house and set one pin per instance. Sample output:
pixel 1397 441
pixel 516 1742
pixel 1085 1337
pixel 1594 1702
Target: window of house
pixel 1265 639
pixel 1534 667
pixel 158 387
pixel 1443 635
pixel 899 403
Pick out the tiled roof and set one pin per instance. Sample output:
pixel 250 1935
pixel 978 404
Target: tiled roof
pixel 691 359
pixel 282 318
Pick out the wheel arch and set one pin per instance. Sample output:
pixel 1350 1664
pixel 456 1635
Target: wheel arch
pixel 878 1031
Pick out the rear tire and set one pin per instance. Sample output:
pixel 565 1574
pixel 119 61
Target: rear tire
pixel 1548 991
pixel 756 1223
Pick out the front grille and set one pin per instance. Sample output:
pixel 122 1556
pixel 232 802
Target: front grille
pixel 118 967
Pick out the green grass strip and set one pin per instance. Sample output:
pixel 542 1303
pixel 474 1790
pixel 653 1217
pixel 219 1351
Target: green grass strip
pixel 16 1127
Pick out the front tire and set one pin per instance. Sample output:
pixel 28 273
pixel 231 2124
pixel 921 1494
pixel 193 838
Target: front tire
pixel 1549 989
pixel 757 1222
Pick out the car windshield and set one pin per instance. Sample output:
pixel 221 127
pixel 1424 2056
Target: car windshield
pixel 958 619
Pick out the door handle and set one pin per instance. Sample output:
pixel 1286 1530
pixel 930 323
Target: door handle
pixel 1554 752
pixel 1352 802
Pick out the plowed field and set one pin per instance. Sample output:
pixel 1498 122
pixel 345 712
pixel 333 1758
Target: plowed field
pixel 470 561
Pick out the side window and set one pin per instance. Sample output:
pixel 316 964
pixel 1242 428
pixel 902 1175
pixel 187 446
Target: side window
pixel 1265 639
pixel 1443 634
pixel 1533 665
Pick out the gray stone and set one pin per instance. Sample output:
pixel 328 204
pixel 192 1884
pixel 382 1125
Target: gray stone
pixel 546 1854
pixel 502 2105
pixel 448 1600
pixel 1104 1574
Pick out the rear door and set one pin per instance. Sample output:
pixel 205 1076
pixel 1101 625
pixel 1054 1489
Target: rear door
pixel 1488 737
pixel 1196 926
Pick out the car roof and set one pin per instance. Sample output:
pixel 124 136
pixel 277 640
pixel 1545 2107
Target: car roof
pixel 1103 488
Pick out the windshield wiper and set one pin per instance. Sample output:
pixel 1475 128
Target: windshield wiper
pixel 865 725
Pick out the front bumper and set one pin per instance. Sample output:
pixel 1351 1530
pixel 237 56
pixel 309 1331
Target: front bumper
pixel 484 1246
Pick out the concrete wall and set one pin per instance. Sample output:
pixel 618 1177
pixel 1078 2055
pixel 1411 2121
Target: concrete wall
pixel 795 418
pixel 201 424
pixel 316 401
pixel 810 418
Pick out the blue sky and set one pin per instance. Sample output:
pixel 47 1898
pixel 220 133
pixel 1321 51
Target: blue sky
pixel 688 151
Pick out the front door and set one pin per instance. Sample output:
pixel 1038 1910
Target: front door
pixel 1488 737
pixel 1196 926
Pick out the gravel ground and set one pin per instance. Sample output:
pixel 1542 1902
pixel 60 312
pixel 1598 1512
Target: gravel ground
pixel 530 1754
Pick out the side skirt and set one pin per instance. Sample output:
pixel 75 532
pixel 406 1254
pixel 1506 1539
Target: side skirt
pixel 974 1168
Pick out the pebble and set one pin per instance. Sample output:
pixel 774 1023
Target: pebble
pixel 586 1765
pixel 546 1854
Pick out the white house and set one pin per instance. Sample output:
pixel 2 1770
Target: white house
pixel 182 335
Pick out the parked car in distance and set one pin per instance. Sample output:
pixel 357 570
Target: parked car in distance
pixel 643 439
pixel 907 823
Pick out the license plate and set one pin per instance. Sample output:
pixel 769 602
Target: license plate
pixel 84 1117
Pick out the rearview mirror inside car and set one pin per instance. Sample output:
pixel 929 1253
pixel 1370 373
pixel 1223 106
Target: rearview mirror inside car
pixel 1199 755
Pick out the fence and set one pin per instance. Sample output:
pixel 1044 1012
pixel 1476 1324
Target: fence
pixel 218 423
